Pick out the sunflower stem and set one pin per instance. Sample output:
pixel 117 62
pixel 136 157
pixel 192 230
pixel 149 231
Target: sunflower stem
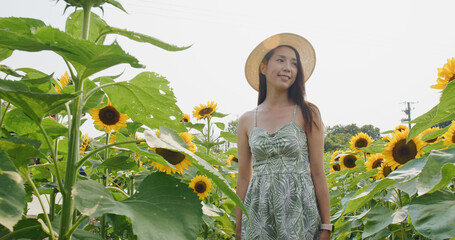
pixel 119 190
pixel 54 157
pixel 106 155
pixel 91 92
pixel 208 135
pixel 86 157
pixel 35 190
pixel 76 224
pixel 52 196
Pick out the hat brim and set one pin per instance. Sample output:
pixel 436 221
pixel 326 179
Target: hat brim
pixel 303 47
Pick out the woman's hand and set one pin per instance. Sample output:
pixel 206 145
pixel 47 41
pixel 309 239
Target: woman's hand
pixel 325 235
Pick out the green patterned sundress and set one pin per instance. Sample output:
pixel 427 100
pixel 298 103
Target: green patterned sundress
pixel 280 199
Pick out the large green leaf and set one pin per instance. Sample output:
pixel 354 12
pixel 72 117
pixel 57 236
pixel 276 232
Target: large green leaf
pixel 5 162
pixel 7 70
pixel 119 163
pixel 87 57
pixel 365 195
pixel 143 38
pixel 74 26
pixel 36 105
pixel 4 54
pixel 147 99
pixel 12 195
pixel 380 217
pixel 53 128
pixel 20 150
pixel 95 99
pixel 433 216
pixel 28 229
pixel 406 176
pixel 16 121
pixel 229 136
pixel 444 111
pixel 42 84
pixel 162 207
pixel 437 172
pixel 168 139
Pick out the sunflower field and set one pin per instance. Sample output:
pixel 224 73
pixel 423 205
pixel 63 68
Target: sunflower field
pixel 151 174
pixel 403 185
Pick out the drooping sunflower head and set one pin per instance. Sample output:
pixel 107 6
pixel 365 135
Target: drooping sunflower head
pixel 204 111
pixel 230 159
pixel 398 152
pixel 336 156
pixel 348 161
pixel 185 118
pixel 335 167
pixel 374 161
pixel 177 159
pixel 201 185
pixel 445 74
pixel 108 118
pixel 385 169
pixel 359 141
pixel 429 130
pixel 401 128
pixel 449 138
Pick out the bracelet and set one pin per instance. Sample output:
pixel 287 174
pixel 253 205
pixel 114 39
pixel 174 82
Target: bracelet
pixel 329 227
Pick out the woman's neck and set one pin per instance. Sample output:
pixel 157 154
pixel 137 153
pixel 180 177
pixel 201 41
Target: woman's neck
pixel 276 99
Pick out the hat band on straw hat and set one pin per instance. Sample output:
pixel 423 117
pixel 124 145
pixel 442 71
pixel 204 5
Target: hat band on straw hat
pixel 300 44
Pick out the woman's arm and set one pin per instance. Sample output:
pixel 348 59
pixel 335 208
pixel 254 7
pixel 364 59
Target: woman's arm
pixel 316 154
pixel 245 167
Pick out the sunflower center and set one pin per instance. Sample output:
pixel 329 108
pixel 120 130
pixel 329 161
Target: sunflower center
pixel 200 187
pixel 336 167
pixel 453 138
pixel 452 78
pixel 235 159
pixel 349 161
pixel 205 111
pixel 361 143
pixel 376 163
pixel 185 119
pixel 109 115
pixel 386 171
pixel 403 152
pixel 172 157
pixel 431 140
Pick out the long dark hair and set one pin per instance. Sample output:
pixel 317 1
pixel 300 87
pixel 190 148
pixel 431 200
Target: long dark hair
pixel 296 92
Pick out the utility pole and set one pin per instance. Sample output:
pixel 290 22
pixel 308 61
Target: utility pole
pixel 407 111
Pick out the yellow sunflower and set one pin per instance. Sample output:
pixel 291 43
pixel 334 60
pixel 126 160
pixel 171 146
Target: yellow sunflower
pixel 108 118
pixel 185 118
pixel 401 128
pixel 178 160
pixel 335 167
pixel 335 157
pixel 64 81
pixel 359 141
pixel 385 169
pixel 84 143
pixel 201 185
pixel 429 130
pixel 204 111
pixel 445 74
pixel 230 159
pixel 449 138
pixel 398 152
pixel 348 161
pixel 374 161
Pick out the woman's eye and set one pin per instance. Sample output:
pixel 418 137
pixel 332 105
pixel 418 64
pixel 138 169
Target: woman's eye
pixel 280 60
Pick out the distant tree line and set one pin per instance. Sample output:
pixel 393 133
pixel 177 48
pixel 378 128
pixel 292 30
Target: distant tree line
pixel 338 136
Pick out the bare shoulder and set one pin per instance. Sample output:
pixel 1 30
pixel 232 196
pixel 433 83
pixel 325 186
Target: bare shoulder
pixel 315 112
pixel 246 122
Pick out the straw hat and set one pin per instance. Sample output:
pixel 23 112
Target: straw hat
pixel 303 47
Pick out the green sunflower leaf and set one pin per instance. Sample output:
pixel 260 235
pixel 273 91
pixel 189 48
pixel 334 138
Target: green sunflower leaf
pixel 53 128
pixel 219 115
pixel 432 214
pixel 220 125
pixel 12 195
pixel 119 163
pixel 365 195
pixel 435 134
pixel 166 139
pixel 35 105
pixel 7 70
pixel 437 172
pixel 41 84
pixel 162 207
pixel 147 99
pixel 138 37
pixel 20 150
pixel 4 54
pixel 444 111
pixel 229 136
pixel 28 229
pixel 198 126
pixel 5 162
pixel 380 217
pixel 16 121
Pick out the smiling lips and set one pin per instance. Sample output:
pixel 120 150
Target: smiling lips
pixel 284 76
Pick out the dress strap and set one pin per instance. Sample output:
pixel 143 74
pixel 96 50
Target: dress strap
pixel 255 117
pixel 295 109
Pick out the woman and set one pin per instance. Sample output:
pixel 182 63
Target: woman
pixel 281 177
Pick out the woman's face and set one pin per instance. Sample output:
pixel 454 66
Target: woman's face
pixel 281 69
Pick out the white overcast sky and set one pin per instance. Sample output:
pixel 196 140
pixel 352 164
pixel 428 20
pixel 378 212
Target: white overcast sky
pixel 371 55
